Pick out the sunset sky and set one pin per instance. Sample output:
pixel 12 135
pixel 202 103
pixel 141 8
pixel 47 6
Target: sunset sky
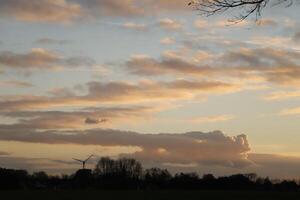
pixel 149 79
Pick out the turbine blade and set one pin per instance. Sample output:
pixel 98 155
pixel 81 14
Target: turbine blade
pixel 78 160
pixel 89 157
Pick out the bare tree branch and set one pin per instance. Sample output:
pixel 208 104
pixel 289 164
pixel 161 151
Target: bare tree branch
pixel 245 7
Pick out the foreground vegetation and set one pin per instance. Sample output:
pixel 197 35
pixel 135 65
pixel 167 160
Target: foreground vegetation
pixel 149 195
pixel 128 174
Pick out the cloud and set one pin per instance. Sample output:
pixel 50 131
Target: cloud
pixel 267 22
pixel 200 23
pixel 290 111
pixel 56 11
pixel 282 95
pixel 272 165
pixel 113 8
pixel 269 65
pixel 203 24
pixel 40 59
pixel 66 11
pixel 296 37
pixel 132 8
pixel 37 164
pixel 134 26
pixel 94 121
pixel 143 65
pixel 173 63
pixel 170 25
pixel 15 83
pixel 51 41
pixel 212 119
pixel 231 24
pixel 84 118
pixel 213 148
pixel 276 66
pixel 2 153
pixel 122 92
pixel 167 41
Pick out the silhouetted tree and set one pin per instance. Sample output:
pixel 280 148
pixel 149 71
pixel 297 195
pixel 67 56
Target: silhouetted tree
pixel 118 173
pixel 186 181
pixel 208 177
pixel 124 167
pixel 129 168
pixel 105 166
pixel 157 178
pixel 127 173
pixel 13 179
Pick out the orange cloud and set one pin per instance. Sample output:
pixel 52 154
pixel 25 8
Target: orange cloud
pixel 212 119
pixel 121 93
pixel 290 111
pixel 277 96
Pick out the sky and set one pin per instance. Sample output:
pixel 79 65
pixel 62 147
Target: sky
pixel 152 80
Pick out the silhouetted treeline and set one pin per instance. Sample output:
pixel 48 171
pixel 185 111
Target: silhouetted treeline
pixel 127 173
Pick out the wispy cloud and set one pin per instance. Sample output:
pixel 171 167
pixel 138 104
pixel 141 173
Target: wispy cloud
pixel 282 95
pixel 212 119
pixel 290 111
pixel 135 26
pixel 122 93
pixel 51 41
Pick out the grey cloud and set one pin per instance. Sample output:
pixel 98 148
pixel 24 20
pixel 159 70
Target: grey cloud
pixel 51 166
pixel 132 8
pixel 281 67
pixel 213 148
pixel 41 10
pixel 41 59
pixel 276 66
pixel 264 165
pixel 90 120
pixel 150 66
pixel 28 120
pixel 296 37
pixel 51 41
pixel 15 83
pixel 2 153
pixel 272 165
pixel 67 11
pixel 125 8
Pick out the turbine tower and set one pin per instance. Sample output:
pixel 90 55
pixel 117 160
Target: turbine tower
pixel 83 161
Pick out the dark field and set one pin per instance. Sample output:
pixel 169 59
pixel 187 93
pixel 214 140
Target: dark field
pixel 155 195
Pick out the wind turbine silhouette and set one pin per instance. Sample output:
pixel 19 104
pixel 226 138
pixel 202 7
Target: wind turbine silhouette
pixel 83 161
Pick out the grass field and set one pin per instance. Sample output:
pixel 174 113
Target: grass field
pixel 155 195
